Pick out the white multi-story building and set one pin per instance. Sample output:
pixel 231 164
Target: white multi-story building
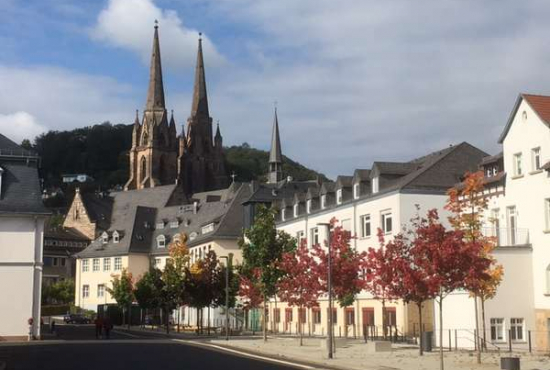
pixel 517 185
pixel 22 218
pixel 385 197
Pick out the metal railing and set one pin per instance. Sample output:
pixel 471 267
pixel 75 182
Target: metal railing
pixel 508 237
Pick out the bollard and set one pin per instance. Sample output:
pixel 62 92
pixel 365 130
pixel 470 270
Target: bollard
pixel 450 348
pixel 475 339
pixel 340 331
pixel 529 334
pixel 509 340
pixel 456 341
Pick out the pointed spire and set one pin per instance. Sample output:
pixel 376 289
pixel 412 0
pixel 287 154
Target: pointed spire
pixel 155 94
pixel 218 135
pixel 136 121
pixel 200 99
pixel 275 154
pixel 172 121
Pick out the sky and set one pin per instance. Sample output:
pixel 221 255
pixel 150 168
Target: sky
pixel 354 81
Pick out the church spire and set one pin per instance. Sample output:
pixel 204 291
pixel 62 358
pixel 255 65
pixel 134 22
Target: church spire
pixel 275 154
pixel 200 99
pixel 155 94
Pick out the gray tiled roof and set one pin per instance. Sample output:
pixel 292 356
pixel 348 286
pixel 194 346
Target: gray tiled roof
pixel 20 191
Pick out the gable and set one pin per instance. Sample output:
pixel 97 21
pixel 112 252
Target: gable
pixel 539 105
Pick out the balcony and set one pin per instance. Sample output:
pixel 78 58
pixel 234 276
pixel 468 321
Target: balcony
pixel 508 237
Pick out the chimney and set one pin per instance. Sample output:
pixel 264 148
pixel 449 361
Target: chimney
pixel 195 207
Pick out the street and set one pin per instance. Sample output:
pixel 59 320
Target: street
pixel 76 348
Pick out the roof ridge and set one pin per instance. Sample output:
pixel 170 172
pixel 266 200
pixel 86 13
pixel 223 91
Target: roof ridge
pixel 222 219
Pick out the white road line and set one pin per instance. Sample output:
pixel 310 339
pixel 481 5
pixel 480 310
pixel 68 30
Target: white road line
pixel 246 354
pixel 128 334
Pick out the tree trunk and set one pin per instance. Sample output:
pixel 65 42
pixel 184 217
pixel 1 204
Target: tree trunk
pixel 300 326
pixel 384 333
pixel 167 315
pixel 441 365
pixel 477 337
pixel 129 318
pixel 420 348
pixel 483 324
pixel 208 321
pixel 264 320
pixel 198 332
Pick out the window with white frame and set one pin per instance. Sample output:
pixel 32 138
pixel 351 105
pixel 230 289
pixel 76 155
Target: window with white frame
pixel 118 263
pixel 160 225
pixel 104 237
pixel 387 222
pixel 116 237
pixel 85 291
pixel 283 214
pixel 207 228
pixel 161 241
pixel 85 265
pixel 314 235
pixel 100 290
pixel 497 330
pixel 174 224
pixel 535 159
pixel 107 264
pixel 323 201
pixel 156 262
pixel 296 210
pixel 356 191
pixel 516 329
pixel 95 264
pixel 547 212
pixel 300 235
pixel 518 170
pixel 365 226
pixel 308 206
pixel 375 185
pixel 339 196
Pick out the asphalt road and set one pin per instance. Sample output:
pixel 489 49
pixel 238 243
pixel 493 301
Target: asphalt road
pixel 79 350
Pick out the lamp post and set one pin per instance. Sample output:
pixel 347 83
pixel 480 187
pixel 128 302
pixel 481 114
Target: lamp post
pixel 226 297
pixel 329 288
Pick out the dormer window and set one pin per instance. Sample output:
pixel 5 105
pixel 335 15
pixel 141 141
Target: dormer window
pixel 308 206
pixel 174 224
pixel 161 241
pixel 323 201
pixel 208 228
pixel 160 225
pixel 339 196
pixel 116 237
pixel 104 238
pixel 296 210
pixel 355 191
pixel 375 185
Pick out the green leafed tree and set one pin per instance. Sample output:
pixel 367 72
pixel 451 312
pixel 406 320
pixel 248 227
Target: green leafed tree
pixel 122 292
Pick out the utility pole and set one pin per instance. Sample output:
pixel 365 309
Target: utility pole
pixel 329 286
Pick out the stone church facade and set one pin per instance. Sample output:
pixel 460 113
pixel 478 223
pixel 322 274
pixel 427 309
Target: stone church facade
pixel 194 160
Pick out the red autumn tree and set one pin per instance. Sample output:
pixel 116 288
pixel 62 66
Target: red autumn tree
pixel 301 285
pixel 448 260
pixel 249 291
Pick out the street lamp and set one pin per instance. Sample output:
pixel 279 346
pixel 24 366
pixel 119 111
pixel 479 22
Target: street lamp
pixel 329 286
pixel 226 297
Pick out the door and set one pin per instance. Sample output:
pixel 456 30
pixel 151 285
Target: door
pixel 512 225
pixel 368 321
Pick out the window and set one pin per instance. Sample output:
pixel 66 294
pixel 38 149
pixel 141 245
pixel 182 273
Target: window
pixel 302 315
pixel 517 165
pixel 535 159
pixel 350 316
pixel 512 225
pixel 160 225
pixel 316 313
pixel 356 191
pixel 547 212
pixel 314 236
pixel 346 224
pixel 85 266
pixel 106 264
pixel 156 262
pixel 174 224
pixel 375 185
pixel 288 315
pixel 334 315
pixel 161 241
pixel 104 237
pixel 296 210
pixel 387 223
pixel 300 235
pixel 63 261
pixel 55 261
pixel 497 329
pixel 118 263
pixel 207 228
pixel 339 196
pixel 85 291
pixel 365 226
pixel 100 290
pixel 308 206
pixel 390 316
pixel 283 211
pixel 95 264
pixel 323 201
pixel 277 315
pixel 368 316
pixel 116 237
pixel 516 329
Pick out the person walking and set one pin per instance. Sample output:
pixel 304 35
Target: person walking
pixel 107 326
pixel 98 327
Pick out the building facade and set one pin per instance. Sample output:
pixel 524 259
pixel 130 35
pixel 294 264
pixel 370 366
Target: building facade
pixel 22 218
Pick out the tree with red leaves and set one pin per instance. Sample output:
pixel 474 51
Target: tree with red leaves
pixel 449 262
pixel 249 292
pixel 301 285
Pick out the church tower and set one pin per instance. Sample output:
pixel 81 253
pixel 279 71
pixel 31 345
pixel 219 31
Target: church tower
pixel 201 161
pixel 153 156
pixel 275 173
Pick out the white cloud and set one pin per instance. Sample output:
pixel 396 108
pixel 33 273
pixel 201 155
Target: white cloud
pixel 57 99
pixel 123 23
pixel 20 125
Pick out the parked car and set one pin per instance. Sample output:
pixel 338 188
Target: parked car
pixel 76 319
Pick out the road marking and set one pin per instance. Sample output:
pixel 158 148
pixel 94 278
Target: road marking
pixel 246 354
pixel 128 334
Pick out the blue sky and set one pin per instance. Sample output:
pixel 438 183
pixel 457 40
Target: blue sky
pixel 355 81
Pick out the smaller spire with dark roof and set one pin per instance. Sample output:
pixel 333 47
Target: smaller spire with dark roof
pixel 200 98
pixel 275 154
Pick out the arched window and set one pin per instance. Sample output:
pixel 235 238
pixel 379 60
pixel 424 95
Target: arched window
pixel 161 241
pixel 143 167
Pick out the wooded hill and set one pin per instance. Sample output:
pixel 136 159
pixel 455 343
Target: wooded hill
pixel 101 151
